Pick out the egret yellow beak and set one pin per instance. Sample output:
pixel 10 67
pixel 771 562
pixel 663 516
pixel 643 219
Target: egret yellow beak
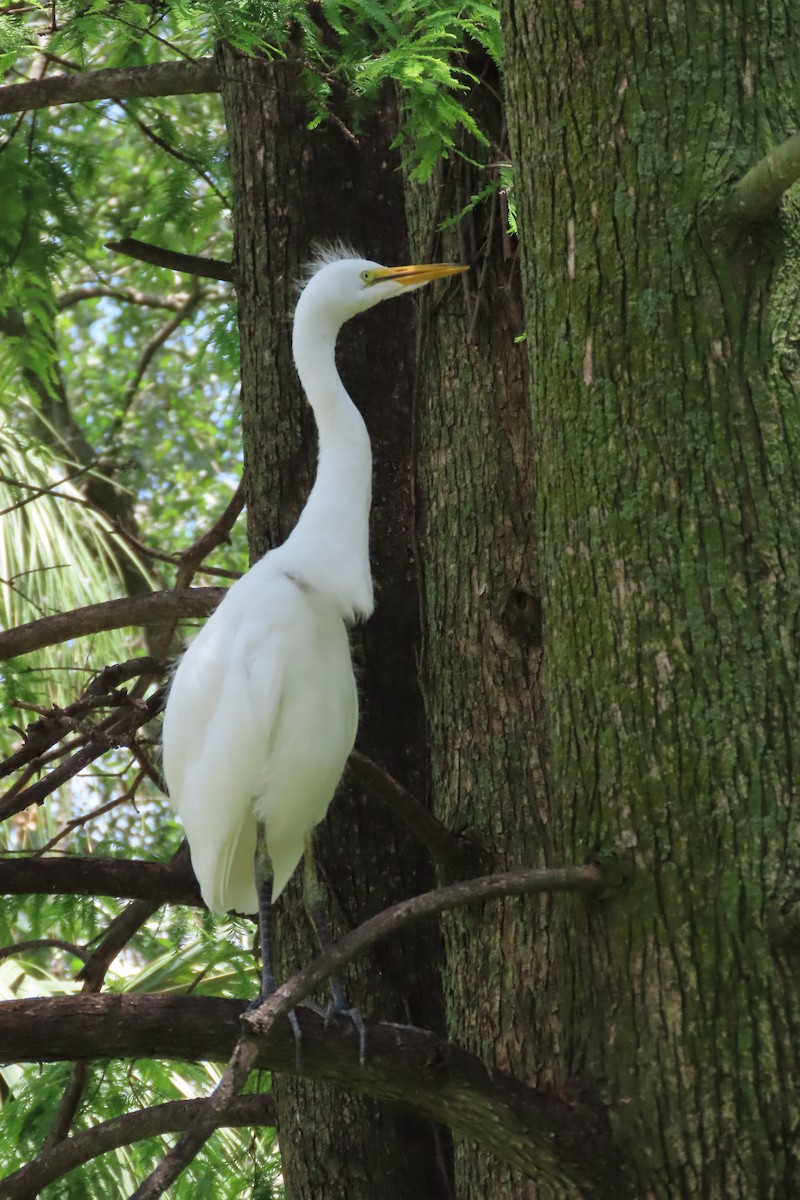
pixel 421 273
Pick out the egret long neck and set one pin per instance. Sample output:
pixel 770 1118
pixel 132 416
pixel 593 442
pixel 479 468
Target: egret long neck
pixel 332 534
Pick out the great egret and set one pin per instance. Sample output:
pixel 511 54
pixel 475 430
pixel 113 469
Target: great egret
pixel 263 708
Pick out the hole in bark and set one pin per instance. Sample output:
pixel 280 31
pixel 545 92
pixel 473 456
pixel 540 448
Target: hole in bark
pixel 522 616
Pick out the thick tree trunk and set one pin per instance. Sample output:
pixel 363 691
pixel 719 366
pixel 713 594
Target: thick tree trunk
pixel 292 188
pixel 665 411
pixel 482 626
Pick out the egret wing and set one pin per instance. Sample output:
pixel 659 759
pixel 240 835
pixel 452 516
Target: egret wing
pixel 216 740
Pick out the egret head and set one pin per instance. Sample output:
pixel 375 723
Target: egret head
pixel 340 285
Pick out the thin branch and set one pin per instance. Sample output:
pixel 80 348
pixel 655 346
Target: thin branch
pixel 146 609
pixel 173 260
pixel 115 731
pixel 40 943
pixel 758 193
pixel 261 1022
pixel 191 559
pixel 154 344
pixel 168 883
pixel 67 1106
pixel 122 929
pixel 103 692
pixel 99 291
pixel 455 855
pixel 101 810
pixel 172 1117
pixel 181 156
pixel 115 83
pixel 392 920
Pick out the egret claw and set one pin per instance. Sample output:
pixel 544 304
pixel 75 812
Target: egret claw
pixel 344 1010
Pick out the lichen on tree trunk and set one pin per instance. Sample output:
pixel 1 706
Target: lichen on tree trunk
pixel 665 413
pixel 480 587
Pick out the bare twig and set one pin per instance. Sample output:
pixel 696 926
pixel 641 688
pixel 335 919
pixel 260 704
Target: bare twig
pixel 758 193
pixel 103 692
pixel 174 1116
pixel 116 83
pixel 101 810
pixel 173 260
pixel 181 156
pixel 145 609
pixel 115 731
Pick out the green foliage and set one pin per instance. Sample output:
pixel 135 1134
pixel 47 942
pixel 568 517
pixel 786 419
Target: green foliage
pixel 422 49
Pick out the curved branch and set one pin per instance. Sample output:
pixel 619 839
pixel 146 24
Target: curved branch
pixel 16 948
pixel 174 1116
pixel 168 883
pixel 112 614
pixel 541 1135
pixel 114 83
pixel 263 1020
pixel 758 193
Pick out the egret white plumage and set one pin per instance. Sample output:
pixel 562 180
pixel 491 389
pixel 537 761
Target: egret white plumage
pixel 263 708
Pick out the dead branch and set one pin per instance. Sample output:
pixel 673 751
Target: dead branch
pixel 261 1022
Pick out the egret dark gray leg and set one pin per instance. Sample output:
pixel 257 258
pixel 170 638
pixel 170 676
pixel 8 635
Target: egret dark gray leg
pixel 264 892
pixel 263 869
pixel 318 914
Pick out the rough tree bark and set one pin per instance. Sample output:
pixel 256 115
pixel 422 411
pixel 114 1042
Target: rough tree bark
pixel 482 644
pixel 665 411
pixel 291 189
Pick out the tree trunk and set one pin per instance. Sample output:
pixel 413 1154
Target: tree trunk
pixel 287 194
pixel 482 624
pixel 664 365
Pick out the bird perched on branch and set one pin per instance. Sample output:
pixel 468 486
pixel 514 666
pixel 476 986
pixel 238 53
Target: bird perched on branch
pixel 263 708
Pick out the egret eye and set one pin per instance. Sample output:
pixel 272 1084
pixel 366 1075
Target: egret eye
pixel 366 277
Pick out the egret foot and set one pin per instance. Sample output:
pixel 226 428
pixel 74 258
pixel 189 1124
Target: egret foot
pixel 339 1006
pixel 291 1017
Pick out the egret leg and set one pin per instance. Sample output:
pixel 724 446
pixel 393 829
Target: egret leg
pixel 318 913
pixel 263 869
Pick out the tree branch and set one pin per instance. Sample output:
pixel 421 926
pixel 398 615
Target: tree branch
pixel 537 1133
pixel 262 1021
pixel 145 609
pixel 169 883
pixel 116 730
pixel 174 1116
pixel 173 260
pixel 115 83
pixel 454 854
pixel 758 193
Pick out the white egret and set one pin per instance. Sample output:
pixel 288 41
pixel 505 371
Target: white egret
pixel 263 708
